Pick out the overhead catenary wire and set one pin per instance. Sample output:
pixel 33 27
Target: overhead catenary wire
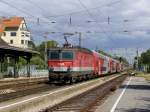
pixel 59 15
pixel 38 7
pixel 70 18
pixel 91 16
pixel 39 20
pixel 41 9
pixel 110 31
pixel 18 9
pixel 29 15
pixel 75 12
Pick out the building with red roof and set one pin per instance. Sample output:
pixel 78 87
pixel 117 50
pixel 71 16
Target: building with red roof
pixel 14 31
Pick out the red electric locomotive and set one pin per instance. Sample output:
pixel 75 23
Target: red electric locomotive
pixel 69 64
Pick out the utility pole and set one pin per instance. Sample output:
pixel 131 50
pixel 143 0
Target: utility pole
pixel 70 20
pixel 108 20
pixel 80 36
pixel 38 21
pixel 137 59
pixel 80 39
pixel 45 50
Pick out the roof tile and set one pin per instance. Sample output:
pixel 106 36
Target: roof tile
pixel 10 22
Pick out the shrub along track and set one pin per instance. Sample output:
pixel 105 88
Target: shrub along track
pixel 86 102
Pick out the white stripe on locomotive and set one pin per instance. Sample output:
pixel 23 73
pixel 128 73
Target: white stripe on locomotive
pixel 58 69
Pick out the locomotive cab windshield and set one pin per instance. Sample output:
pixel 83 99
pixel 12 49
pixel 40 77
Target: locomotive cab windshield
pixel 54 55
pixel 67 55
pixel 61 55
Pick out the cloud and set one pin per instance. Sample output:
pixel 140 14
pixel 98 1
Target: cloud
pixel 128 25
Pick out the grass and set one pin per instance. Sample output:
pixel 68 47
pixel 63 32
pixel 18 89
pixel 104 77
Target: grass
pixel 147 78
pixel 142 74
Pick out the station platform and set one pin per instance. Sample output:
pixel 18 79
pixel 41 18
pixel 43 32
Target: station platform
pixel 132 96
pixel 20 78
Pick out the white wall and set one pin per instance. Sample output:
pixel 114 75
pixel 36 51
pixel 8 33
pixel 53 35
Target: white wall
pixel 20 35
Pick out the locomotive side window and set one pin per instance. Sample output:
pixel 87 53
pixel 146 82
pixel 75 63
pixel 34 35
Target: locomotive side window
pixel 67 55
pixel 54 55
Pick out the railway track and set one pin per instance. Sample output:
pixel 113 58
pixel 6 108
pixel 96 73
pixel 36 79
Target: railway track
pixel 87 101
pixel 23 87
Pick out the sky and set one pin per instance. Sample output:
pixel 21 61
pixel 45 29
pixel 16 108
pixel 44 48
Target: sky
pixel 127 26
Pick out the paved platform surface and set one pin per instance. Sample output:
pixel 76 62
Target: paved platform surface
pixel 132 96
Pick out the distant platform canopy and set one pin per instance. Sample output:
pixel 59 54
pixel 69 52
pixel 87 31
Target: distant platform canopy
pixel 15 52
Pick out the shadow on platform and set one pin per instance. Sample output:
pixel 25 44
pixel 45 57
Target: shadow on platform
pixel 139 87
pixel 138 110
pixel 146 108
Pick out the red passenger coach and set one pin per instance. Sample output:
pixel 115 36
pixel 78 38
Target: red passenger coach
pixel 98 63
pixel 69 64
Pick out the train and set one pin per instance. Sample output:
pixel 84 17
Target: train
pixel 72 64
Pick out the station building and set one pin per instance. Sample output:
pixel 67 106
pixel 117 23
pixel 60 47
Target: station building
pixel 15 41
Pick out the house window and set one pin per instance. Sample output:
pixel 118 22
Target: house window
pixel 11 41
pixel 4 34
pixel 26 42
pixel 22 35
pixel 22 41
pixel 13 33
pixel 27 35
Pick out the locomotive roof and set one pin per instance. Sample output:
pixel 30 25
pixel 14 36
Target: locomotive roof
pixel 71 48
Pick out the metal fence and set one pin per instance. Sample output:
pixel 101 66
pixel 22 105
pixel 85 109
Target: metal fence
pixel 34 73
pixel 22 72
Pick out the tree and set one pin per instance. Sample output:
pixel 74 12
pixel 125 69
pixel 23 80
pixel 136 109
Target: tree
pixel 41 47
pixel 22 62
pixel 37 61
pixel 144 59
pixel 52 43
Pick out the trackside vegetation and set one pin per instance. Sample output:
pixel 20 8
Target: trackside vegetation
pixel 145 75
pixel 144 61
